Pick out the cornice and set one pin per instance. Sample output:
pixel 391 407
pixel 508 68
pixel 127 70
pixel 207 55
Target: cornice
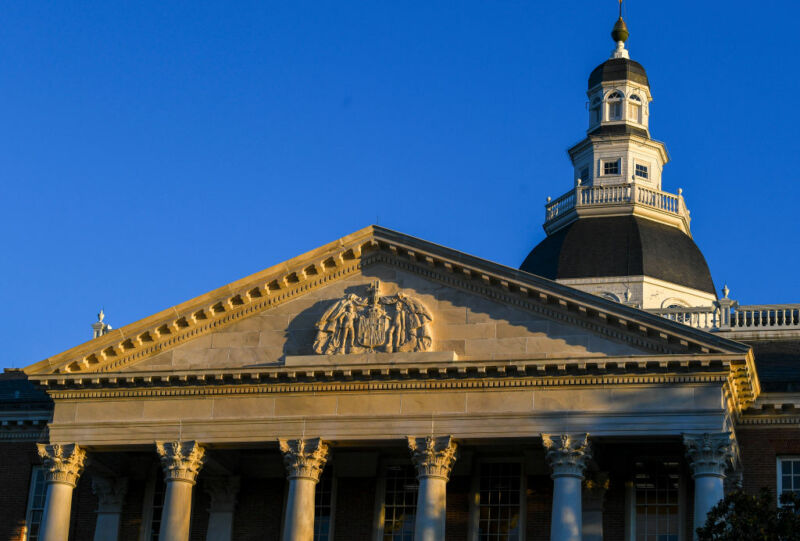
pixel 265 290
pixel 466 375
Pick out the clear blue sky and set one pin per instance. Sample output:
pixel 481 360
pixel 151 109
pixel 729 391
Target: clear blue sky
pixel 152 151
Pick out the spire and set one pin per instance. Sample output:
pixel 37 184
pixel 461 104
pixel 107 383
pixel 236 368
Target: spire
pixel 620 35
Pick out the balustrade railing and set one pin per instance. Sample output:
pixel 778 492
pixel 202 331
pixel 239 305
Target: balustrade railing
pixel 614 194
pixel 727 315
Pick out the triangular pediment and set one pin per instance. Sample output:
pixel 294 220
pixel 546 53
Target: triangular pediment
pixel 470 308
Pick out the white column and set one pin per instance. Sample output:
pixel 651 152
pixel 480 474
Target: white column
pixel 182 461
pixel 63 465
pixel 222 491
pixel 110 492
pixel 566 454
pixel 709 456
pixel 434 459
pixel 594 493
pixel 304 460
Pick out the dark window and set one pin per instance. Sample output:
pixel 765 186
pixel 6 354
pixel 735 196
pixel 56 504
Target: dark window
pixel 641 171
pixel 499 502
pixel 36 497
pixel 323 503
pixel 159 492
pixel 400 503
pixel 657 500
pixel 611 168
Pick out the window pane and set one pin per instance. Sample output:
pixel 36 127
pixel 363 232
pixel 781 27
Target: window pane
pixel 611 168
pixel 400 503
pixel 499 502
pixel 790 474
pixel 323 497
pixel 36 497
pixel 657 486
pixel 641 171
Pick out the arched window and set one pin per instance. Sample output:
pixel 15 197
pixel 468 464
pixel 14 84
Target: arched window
pixel 635 108
pixel 615 105
pixel 594 112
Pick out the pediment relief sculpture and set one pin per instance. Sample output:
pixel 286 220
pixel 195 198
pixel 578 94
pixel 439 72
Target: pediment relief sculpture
pixel 392 323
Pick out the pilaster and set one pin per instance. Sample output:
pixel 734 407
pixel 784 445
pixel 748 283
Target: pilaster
pixel 110 492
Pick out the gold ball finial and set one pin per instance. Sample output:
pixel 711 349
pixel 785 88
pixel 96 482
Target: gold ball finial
pixel 620 31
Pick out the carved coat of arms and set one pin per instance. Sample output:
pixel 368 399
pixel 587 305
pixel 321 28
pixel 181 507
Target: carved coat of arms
pixel 390 323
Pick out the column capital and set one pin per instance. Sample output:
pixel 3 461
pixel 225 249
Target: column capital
pixel 709 454
pixel 222 492
pixel 181 460
pixel 594 491
pixel 567 454
pixel 433 456
pixel 63 463
pixel 110 492
pixel 304 458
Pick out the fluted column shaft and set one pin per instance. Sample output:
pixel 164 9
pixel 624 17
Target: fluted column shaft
pixel 434 458
pixel 63 466
pixel 304 460
pixel 110 494
pixel 709 456
pixel 181 462
pixel 566 454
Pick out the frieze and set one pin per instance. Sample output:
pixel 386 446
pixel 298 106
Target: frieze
pixel 356 324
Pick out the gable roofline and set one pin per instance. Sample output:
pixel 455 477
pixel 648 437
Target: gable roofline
pixel 284 281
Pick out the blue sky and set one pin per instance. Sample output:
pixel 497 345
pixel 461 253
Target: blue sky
pixel 152 151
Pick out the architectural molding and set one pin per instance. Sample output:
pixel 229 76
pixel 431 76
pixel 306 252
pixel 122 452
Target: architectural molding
pixel 433 456
pixel 709 454
pixel 567 454
pixel 62 463
pixel 304 458
pixel 181 460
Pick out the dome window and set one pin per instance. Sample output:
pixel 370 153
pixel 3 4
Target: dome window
pixel 635 109
pixel 642 171
pixel 594 112
pixel 615 105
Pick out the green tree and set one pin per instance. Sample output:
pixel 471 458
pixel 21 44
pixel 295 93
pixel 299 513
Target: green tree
pixel 747 517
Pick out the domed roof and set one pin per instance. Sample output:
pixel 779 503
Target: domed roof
pixel 621 246
pixel 618 69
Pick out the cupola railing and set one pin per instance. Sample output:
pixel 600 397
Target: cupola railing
pixel 727 315
pixel 605 199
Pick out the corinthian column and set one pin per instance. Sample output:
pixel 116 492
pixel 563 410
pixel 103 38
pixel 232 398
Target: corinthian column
pixel 63 465
pixel 566 454
pixel 304 460
pixel 110 494
pixel 709 456
pixel 181 461
pixel 434 459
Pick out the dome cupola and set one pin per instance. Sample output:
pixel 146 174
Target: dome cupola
pixel 616 233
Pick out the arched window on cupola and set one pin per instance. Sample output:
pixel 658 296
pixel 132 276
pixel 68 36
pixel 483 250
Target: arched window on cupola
pixel 594 112
pixel 614 101
pixel 635 108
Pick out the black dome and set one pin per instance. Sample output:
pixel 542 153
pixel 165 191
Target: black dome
pixel 618 69
pixel 621 246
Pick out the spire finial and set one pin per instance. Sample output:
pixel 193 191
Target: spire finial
pixel 620 35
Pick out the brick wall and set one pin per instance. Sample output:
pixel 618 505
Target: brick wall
pixel 539 507
pixel 17 462
pixel 760 448
pixel 258 513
